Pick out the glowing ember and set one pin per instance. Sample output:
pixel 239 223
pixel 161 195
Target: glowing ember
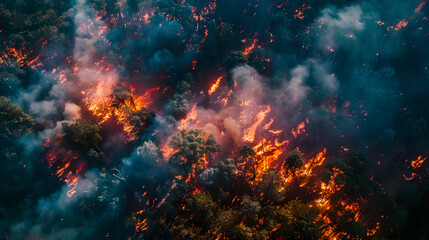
pixel 318 160
pixel 298 130
pixel 249 133
pixel 418 162
pixel 419 8
pixel 141 224
pixel 67 166
pixel 403 23
pixel 249 49
pixel 190 118
pixel 214 86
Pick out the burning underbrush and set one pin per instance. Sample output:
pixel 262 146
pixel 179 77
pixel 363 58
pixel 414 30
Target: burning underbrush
pixel 213 119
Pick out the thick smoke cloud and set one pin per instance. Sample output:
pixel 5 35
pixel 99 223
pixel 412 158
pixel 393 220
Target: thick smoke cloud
pixel 54 216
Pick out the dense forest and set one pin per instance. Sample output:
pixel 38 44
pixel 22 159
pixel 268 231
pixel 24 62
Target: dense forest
pixel 214 119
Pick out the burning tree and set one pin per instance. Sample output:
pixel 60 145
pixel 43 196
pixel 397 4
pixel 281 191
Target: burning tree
pixel 192 151
pixel 213 119
pixel 358 204
pixel 293 163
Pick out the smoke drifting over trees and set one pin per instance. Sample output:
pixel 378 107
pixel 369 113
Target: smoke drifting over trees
pixel 214 119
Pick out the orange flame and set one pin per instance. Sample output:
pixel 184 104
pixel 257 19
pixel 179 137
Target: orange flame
pixel 249 133
pixel 249 49
pixel 67 166
pixel 318 160
pixel 267 154
pixel 419 8
pixel 99 102
pixel 21 57
pixel 403 23
pixel 214 86
pixel 191 116
pixel 141 224
pixel 418 162
pixel 298 130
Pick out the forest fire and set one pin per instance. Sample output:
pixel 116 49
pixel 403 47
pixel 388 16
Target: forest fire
pixel 67 166
pixel 214 86
pixel 249 133
pixel 12 52
pixel 141 224
pixel 419 8
pixel 21 57
pixel 298 130
pixel 403 23
pixel 318 160
pixel 418 162
pixel 121 104
pixel 250 48
pixel 214 119
pixel 189 119
pixel 415 164
pixel 267 154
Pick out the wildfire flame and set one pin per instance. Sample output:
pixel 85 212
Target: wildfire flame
pixel 418 162
pixel 249 133
pixel 67 166
pixel 249 49
pixel 101 104
pixel 141 223
pixel 191 116
pixel 419 8
pixel 214 86
pixel 21 56
pixel 298 130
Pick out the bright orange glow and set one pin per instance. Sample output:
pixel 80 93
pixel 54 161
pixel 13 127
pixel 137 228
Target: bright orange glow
pixel 412 177
pixel 21 58
pixel 318 160
pixel 141 224
pixel 249 49
pixel 418 162
pixel 267 154
pixel 167 151
pixel 298 130
pixel 100 102
pixel 214 86
pixel 299 13
pixel 67 166
pixel 403 23
pixel 191 116
pixel 249 133
pixel 419 8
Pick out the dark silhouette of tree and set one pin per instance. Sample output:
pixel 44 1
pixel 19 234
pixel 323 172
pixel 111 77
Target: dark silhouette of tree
pixel 211 147
pixel 201 209
pixel 353 185
pixel 241 232
pixel 298 221
pixel 13 121
pixel 246 163
pixel 140 120
pixel 122 97
pixel 191 148
pixel 270 187
pixel 293 162
pixel 227 171
pixel 84 134
pixel 236 58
